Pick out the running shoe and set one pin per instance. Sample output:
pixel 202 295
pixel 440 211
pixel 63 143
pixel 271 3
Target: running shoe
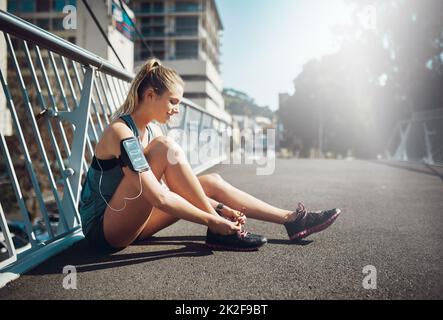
pixel 308 223
pixel 239 241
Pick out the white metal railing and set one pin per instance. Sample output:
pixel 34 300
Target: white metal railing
pixel 419 139
pixel 60 97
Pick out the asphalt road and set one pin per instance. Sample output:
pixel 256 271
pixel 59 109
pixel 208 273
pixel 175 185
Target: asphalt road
pixel 391 219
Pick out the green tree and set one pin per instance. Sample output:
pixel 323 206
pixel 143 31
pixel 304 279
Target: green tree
pixel 239 103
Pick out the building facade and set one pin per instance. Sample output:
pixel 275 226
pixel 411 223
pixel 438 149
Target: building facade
pixel 80 29
pixel 185 35
pixel 115 24
pixel 5 116
pixel 68 19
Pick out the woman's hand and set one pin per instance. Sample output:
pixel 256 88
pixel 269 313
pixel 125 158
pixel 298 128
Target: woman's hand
pixel 233 215
pixel 222 226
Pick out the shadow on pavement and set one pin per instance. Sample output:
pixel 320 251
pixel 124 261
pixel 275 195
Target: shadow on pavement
pixel 86 260
pixel 302 242
pixel 433 170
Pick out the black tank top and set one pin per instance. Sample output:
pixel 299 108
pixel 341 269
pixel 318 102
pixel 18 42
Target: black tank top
pixel 111 163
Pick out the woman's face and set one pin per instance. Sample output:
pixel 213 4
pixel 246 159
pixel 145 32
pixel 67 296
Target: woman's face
pixel 164 106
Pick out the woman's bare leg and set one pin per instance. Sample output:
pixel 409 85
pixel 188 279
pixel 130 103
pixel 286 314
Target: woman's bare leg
pixel 218 189
pixel 179 176
pixel 122 228
pixel 158 220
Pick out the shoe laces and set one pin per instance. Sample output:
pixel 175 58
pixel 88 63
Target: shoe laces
pixel 310 216
pixel 242 233
pixel 301 211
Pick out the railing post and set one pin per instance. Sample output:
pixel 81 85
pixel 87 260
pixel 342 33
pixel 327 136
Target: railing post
pixel 79 118
pixel 8 240
pixel 401 152
pixel 428 159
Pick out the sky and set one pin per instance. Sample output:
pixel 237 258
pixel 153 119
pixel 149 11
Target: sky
pixel 265 43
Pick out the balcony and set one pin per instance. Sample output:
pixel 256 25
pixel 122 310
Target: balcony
pixel 152 34
pixel 154 24
pixel 185 9
pixel 183 33
pixel 149 10
pixel 184 55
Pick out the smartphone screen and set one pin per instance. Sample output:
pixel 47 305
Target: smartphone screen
pixel 135 154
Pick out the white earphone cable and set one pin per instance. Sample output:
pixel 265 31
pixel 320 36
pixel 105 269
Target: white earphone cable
pixel 125 198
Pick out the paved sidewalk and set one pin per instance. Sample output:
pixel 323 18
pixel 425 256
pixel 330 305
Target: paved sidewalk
pixel 392 218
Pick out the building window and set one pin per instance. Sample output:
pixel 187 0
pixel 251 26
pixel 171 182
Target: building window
pixel 194 78
pixel 27 6
pixel 158 31
pixel 158 7
pixel 186 25
pixel 157 45
pixel 152 32
pixel 182 6
pixel 145 21
pixel 12 6
pixel 145 7
pixel 159 54
pixel 57 24
pixel 43 23
pixel 196 95
pixel 58 5
pixel 43 6
pixel 158 21
pixel 145 54
pixel 186 49
pixel 146 30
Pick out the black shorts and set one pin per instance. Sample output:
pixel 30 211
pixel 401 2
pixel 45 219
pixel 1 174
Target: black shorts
pixel 96 237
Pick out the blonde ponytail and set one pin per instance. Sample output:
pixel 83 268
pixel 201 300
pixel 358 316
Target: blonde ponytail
pixel 152 74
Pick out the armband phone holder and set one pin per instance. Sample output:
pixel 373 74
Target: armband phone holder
pixel 132 155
